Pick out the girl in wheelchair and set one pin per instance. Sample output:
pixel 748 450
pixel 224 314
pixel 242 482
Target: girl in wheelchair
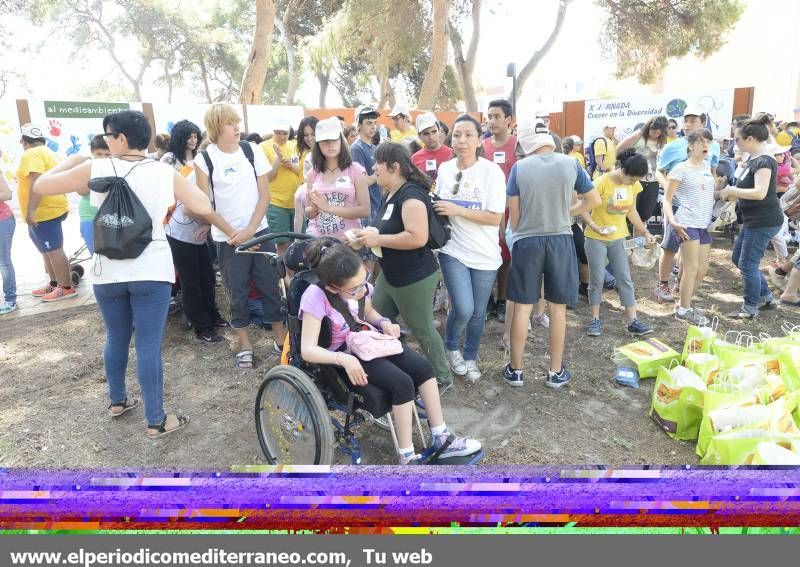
pixel 343 282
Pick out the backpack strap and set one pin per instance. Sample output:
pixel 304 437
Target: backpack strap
pixel 247 149
pixel 210 165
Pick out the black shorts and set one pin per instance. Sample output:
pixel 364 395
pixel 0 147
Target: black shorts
pixel 548 258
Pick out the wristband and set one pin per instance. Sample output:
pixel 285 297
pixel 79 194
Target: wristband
pixel 380 321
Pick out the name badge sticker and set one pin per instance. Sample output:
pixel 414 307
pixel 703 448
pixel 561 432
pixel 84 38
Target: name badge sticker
pixel 430 165
pixel 499 157
pixel 389 210
pixel 342 183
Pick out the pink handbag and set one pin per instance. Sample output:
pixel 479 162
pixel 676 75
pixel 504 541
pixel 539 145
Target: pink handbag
pixel 369 345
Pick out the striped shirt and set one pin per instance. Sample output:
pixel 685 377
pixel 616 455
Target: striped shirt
pixel 695 194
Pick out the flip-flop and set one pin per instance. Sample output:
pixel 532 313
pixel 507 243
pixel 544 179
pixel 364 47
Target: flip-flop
pixel 126 405
pixel 783 302
pixel 162 430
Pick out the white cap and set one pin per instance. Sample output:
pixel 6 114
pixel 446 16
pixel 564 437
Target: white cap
pixel 367 110
pixel 529 140
pixel 328 129
pixel 281 124
pixel 775 149
pixel 576 139
pixel 400 109
pixel 32 131
pixel 425 121
pixel 693 110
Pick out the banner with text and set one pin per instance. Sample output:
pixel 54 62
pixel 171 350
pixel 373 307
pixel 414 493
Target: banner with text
pixel 630 113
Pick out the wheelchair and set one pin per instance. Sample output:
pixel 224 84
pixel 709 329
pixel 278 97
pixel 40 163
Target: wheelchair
pixel 299 405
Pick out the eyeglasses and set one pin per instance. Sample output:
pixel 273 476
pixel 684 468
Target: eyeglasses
pixel 114 135
pixel 353 291
pixel 457 186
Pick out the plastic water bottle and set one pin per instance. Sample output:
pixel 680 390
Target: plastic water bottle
pixel 631 243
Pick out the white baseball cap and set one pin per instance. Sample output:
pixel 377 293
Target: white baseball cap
pixel 693 110
pixel 281 124
pixel 328 129
pixel 425 121
pixel 530 140
pixel 32 131
pixel 400 109
pixel 366 110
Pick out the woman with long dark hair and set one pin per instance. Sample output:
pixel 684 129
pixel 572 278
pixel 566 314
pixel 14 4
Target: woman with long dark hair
pixel 409 273
pixel 183 146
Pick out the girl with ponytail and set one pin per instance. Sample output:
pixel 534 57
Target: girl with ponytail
pixel 409 272
pixel 606 232
pixel 343 284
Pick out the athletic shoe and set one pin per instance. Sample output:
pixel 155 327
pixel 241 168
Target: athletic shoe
pixel 42 291
pixel 692 316
pixel 767 304
pixel 60 293
pixel 501 310
pixel 456 362
pixel 542 320
pixel 741 314
pixel 594 328
pixel 610 282
pixel 663 293
pixel 513 377
pixel 638 329
pixel 222 323
pixel 457 447
pixel 208 336
pixel 276 350
pixel 558 380
pixel 473 374
pixel 676 289
pixel 7 308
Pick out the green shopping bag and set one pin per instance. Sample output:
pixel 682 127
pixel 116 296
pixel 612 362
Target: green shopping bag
pixel 677 404
pixel 739 447
pixel 733 357
pixel 648 356
pixel 698 339
pixel 705 365
pixel 716 397
pixel 788 352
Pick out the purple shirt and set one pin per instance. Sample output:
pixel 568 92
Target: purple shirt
pixel 315 303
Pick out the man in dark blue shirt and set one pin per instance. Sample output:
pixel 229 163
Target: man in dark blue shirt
pixel 363 152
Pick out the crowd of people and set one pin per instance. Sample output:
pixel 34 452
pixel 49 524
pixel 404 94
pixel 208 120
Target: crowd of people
pixel 535 222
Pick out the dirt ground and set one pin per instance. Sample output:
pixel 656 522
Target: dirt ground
pixel 54 399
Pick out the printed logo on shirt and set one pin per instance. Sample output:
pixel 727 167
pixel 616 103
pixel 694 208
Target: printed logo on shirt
pixel 499 157
pixel 231 174
pixel 342 183
pixel 295 160
pixel 430 165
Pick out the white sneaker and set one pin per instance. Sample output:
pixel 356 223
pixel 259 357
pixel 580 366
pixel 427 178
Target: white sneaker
pixel 472 374
pixel 456 361
pixel 7 308
pixel 542 320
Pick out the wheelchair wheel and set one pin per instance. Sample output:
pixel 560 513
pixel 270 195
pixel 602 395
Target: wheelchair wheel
pixel 78 269
pixel 75 277
pixel 292 420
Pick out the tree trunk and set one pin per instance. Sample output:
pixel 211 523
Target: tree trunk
pixel 291 51
pixel 324 81
pixel 387 98
pixel 438 63
pixel 529 67
pixel 255 74
pixel 466 65
pixel 204 76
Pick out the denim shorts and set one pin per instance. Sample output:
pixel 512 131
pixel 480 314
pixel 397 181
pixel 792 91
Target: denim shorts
pixel 673 241
pixel 47 235
pixel 550 259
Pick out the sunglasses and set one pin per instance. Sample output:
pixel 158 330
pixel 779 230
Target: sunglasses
pixel 457 186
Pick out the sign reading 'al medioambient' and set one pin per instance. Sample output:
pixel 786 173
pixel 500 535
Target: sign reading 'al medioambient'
pixel 68 109
pixel 630 113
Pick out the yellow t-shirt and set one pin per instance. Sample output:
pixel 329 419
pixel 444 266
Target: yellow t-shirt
pixel 608 150
pixel 39 160
pixel 579 156
pixel 399 137
pixel 615 202
pixel 282 188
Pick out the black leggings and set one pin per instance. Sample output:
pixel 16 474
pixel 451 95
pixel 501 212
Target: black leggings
pixel 400 375
pixel 579 239
pixel 197 283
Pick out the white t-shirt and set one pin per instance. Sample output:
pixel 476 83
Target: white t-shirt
pixel 181 226
pixel 235 193
pixel 482 187
pixel 695 194
pixel 152 182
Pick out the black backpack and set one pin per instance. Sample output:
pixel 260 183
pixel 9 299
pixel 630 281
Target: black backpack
pixel 122 226
pixel 439 229
pixel 247 149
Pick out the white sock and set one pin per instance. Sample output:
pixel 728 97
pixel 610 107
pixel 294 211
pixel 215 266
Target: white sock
pixel 407 451
pixel 682 311
pixel 439 429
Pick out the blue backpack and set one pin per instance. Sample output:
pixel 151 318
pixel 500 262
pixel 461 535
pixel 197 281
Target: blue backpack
pixel 591 159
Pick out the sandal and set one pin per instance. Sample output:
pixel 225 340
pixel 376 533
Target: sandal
pixel 116 410
pixel 245 360
pixel 161 430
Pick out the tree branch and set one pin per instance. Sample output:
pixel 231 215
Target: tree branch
pixel 538 55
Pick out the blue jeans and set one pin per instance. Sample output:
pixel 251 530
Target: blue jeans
pixel 6 267
pixel 138 308
pixel 469 292
pixel 748 250
pixel 87 232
